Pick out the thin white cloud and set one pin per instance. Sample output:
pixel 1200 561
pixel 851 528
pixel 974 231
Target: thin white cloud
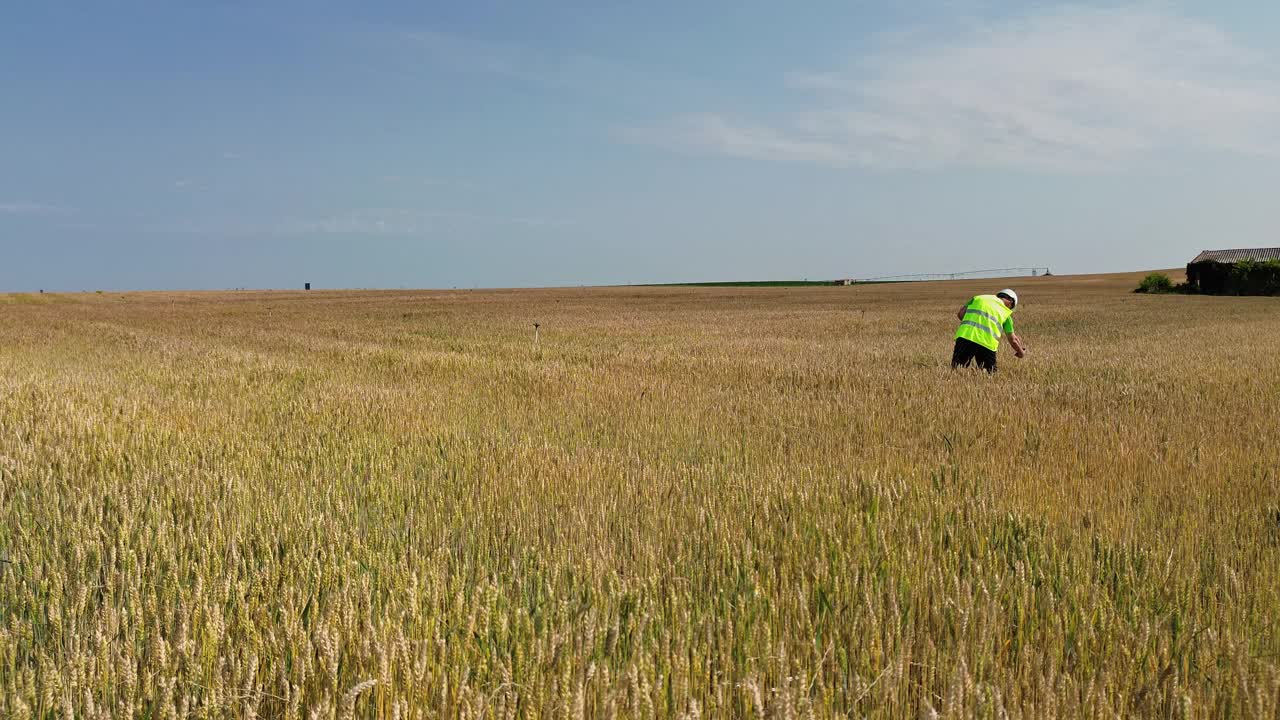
pixel 30 208
pixel 359 222
pixel 412 180
pixel 396 221
pixel 468 55
pixel 1069 88
pixel 589 75
pixel 717 134
pixel 370 222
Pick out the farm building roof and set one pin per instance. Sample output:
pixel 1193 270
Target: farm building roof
pixel 1235 256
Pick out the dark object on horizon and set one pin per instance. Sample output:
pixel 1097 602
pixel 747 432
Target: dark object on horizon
pixel 307 286
pixel 1246 271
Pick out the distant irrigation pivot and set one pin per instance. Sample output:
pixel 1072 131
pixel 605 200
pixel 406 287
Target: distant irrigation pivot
pixel 992 273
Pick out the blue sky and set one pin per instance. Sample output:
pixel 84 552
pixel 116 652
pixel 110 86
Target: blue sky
pixel 410 144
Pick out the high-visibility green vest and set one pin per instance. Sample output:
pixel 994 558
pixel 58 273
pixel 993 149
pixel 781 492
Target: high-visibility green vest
pixel 984 318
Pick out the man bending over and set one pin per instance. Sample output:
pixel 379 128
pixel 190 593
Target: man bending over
pixel 982 321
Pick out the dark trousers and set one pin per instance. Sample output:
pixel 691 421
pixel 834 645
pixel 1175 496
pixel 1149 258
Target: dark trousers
pixel 968 352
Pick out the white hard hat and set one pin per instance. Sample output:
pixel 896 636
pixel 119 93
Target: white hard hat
pixel 1011 294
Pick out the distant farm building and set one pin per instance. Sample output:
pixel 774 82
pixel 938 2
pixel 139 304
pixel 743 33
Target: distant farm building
pixel 1246 271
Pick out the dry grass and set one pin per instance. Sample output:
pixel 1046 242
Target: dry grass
pixel 685 502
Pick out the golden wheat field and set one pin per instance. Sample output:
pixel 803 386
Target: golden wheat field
pixel 679 502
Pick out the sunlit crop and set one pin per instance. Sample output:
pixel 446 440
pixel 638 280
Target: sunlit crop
pixel 678 503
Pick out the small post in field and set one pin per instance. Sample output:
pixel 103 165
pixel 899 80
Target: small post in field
pixel 535 335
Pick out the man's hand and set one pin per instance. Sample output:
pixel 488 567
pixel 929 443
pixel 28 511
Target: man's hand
pixel 1019 347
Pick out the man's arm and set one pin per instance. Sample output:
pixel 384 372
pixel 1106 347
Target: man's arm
pixel 1019 347
pixel 960 314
